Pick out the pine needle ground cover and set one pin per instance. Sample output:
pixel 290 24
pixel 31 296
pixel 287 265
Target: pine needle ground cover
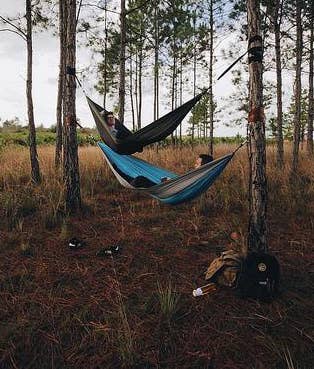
pixel 63 308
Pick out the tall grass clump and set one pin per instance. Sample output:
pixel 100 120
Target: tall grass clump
pixel 168 300
pixel 124 335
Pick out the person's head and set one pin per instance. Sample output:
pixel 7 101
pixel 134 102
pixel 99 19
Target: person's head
pixel 110 119
pixel 203 159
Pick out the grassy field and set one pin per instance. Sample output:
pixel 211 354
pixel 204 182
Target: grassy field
pixel 61 308
pixel 19 137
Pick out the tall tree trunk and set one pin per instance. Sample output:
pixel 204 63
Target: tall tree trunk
pixel 131 91
pixel 279 136
pixel 310 117
pixel 59 126
pixel 297 118
pixel 194 72
pixel 173 84
pixel 257 152
pixel 156 64
pixel 136 84
pixel 181 91
pixel 211 60
pixel 122 61
pixel 140 71
pixel 105 59
pixel 205 122
pixel 71 165
pixel 35 172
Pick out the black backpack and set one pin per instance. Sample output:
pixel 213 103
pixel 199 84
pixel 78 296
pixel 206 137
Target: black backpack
pixel 259 277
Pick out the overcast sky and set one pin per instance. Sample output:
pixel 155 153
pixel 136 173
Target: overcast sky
pixel 45 72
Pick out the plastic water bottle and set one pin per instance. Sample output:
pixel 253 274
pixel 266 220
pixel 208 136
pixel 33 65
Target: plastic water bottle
pixel 200 291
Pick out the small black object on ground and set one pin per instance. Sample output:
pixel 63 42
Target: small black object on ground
pixel 112 250
pixel 75 243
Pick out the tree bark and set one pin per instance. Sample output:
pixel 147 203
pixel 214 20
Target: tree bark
pixel 211 60
pixel 140 71
pixel 131 91
pixel 173 83
pixel 279 136
pixel 156 64
pixel 71 164
pixel 105 60
pixel 257 240
pixel 181 93
pixel 35 171
pixel 136 84
pixel 59 125
pixel 297 118
pixel 122 61
pixel 310 117
pixel 194 72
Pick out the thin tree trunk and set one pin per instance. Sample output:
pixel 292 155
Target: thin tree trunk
pixel 194 72
pixel 122 61
pixel 176 99
pixel 297 118
pixel 140 71
pixel 156 64
pixel 131 92
pixel 136 85
pixel 257 240
pixel 71 165
pixel 174 67
pixel 211 60
pixel 205 122
pixel 181 91
pixel 59 126
pixel 310 117
pixel 279 136
pixel 105 60
pixel 35 171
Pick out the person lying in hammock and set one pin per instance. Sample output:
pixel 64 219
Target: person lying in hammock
pixel 116 128
pixel 144 182
pixel 202 159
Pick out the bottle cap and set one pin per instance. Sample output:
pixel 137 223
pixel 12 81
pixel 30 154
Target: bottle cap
pixel 197 292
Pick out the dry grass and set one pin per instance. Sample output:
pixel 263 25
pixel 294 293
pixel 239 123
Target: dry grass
pixel 63 309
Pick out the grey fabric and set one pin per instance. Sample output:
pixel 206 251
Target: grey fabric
pixel 128 142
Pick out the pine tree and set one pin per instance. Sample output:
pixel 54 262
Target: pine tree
pixel 71 164
pixel 257 152
pixel 34 17
pixel 298 88
pixel 122 61
pixel 311 80
pixel 61 78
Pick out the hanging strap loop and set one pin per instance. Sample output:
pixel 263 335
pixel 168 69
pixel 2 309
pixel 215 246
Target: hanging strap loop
pixel 255 52
pixel 255 38
pixel 69 70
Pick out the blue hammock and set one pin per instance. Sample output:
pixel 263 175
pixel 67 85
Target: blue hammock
pixel 178 189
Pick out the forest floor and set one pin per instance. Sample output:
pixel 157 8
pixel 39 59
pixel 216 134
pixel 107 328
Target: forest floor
pixel 63 308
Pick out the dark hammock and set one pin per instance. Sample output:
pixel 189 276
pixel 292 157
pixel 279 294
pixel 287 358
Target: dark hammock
pixel 128 142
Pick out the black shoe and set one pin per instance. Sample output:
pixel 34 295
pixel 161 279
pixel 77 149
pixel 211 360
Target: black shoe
pixel 112 250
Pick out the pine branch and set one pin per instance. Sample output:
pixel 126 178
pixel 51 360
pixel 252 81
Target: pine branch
pixel 136 8
pixel 101 8
pixel 78 12
pixel 11 30
pixel 20 32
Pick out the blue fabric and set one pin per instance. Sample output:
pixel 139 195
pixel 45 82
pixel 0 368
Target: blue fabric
pixel 198 187
pixel 134 167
